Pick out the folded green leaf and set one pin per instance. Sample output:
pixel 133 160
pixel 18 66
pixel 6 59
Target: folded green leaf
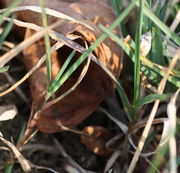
pixel 149 99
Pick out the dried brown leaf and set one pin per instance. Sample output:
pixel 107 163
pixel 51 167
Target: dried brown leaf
pixel 96 139
pixel 96 85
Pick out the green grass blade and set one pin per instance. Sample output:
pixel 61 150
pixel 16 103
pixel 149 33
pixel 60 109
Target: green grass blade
pixel 122 16
pixel 9 168
pixel 126 104
pixel 162 26
pixel 149 99
pixel 8 10
pixel 137 51
pixel 157 47
pixel 4 69
pixel 146 21
pixel 6 31
pixel 47 43
pixel 152 71
pixel 55 84
pixel 157 160
pixel 97 42
pixel 117 6
pixel 128 50
pixel 164 10
pixel 156 53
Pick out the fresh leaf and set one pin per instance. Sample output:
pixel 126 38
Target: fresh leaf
pixel 149 99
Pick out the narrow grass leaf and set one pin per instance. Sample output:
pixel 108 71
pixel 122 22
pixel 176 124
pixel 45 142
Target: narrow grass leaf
pixel 156 54
pixel 4 69
pixel 162 26
pixel 163 11
pixel 157 160
pixel 150 69
pixel 137 51
pixel 126 104
pixel 6 31
pixel 9 168
pixel 117 6
pixel 47 43
pixel 147 24
pixel 149 99
pixel 157 47
pixel 72 88
pixel 55 84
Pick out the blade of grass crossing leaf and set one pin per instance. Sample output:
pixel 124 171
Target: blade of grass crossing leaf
pixel 128 50
pixel 149 99
pixel 8 10
pixel 6 31
pixel 149 69
pixel 47 43
pixel 55 84
pixel 96 43
pixel 137 52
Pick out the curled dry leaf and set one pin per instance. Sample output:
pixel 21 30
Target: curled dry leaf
pixel 96 85
pixel 96 139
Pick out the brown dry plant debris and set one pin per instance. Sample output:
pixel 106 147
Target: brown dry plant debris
pixel 97 139
pixel 96 85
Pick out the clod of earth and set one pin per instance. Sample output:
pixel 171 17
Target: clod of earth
pixel 96 85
